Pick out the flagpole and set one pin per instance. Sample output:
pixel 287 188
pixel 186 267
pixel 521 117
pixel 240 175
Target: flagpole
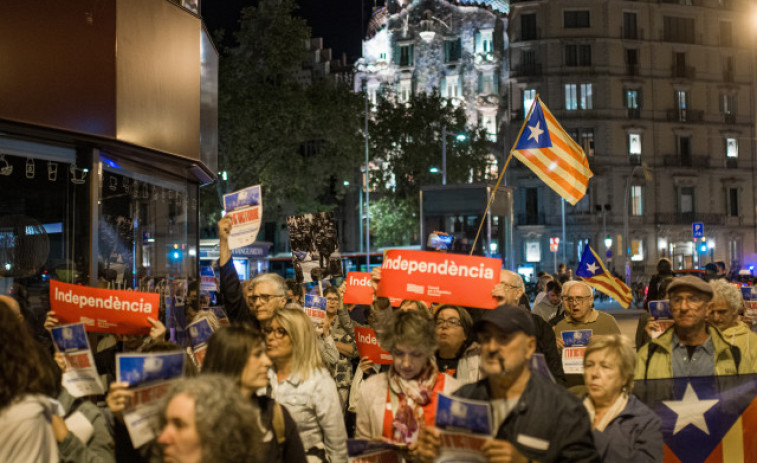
pixel 564 243
pixel 502 174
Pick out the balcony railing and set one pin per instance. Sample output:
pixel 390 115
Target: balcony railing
pixel 634 160
pixel 527 70
pixel 685 218
pixel 634 113
pixel 675 160
pixel 731 163
pixel 532 219
pixel 631 33
pixel 729 118
pixel 683 72
pixel 685 115
pixel 632 69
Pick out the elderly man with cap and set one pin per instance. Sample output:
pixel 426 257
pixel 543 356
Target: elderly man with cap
pixel 534 419
pixel 691 347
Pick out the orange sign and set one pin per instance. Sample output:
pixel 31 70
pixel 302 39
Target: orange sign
pixel 104 310
pixel 367 346
pixel 358 288
pixel 437 277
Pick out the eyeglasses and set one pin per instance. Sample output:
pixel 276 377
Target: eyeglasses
pixel 692 300
pixel 332 299
pixel 277 333
pixel 575 299
pixel 264 297
pixel 452 322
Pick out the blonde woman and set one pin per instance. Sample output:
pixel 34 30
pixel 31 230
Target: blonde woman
pixel 625 430
pixel 300 382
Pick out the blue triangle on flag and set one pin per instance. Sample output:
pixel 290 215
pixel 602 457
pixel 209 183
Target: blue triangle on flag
pixel 729 396
pixel 535 134
pixel 589 267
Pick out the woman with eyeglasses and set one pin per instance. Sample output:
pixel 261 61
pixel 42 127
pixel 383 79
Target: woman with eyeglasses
pixel 239 352
pixel 342 332
pixel 396 404
pixel 458 354
pixel 300 382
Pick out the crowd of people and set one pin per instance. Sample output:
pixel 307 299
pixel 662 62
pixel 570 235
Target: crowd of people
pixel 275 387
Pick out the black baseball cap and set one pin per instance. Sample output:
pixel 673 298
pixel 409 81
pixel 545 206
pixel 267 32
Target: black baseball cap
pixel 509 319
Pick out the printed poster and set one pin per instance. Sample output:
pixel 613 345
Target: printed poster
pixel 149 377
pixel 315 247
pixel 80 378
pixel 357 288
pixel 220 314
pixel 315 307
pixel 438 277
pixel 660 310
pixel 367 346
pixel 573 360
pixel 576 337
pixel 199 334
pixel 104 310
pixel 246 209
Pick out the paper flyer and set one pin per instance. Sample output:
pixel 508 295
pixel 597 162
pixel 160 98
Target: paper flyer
pixel 104 310
pixel 138 369
pixel 465 424
pixel 357 288
pixel 367 346
pixel 439 277
pixel 80 378
pixel 746 293
pixel 576 338
pixel 246 209
pixel 315 307
pixel 315 247
pixel 660 310
pixel 149 377
pixel 207 279
pixel 573 360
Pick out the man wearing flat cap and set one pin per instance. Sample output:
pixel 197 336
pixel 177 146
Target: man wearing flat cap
pixel 534 419
pixel 691 347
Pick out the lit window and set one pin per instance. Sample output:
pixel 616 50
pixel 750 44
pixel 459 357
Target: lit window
pixel 632 99
pixel 533 251
pixel 731 148
pixel 578 96
pixel 586 96
pixel 634 144
pixel 571 100
pixel 529 95
pixel 637 250
pixel 637 200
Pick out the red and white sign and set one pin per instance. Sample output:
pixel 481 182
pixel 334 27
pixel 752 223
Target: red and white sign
pixel 104 310
pixel 554 244
pixel 438 277
pixel 358 288
pixel 367 346
pixel 573 360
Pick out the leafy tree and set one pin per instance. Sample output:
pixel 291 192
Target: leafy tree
pixel 394 222
pixel 299 142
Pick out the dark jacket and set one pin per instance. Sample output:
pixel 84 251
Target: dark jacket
pixel 233 299
pixel 291 450
pixel 545 344
pixel 548 424
pixel 633 436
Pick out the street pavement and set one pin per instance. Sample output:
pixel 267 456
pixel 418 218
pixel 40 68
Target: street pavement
pixel 628 319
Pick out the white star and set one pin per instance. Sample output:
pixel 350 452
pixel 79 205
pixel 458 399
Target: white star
pixel 535 131
pixel 593 267
pixel 690 410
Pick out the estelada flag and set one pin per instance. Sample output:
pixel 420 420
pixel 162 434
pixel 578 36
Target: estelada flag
pixel 593 271
pixel 104 310
pixel 545 148
pixel 428 276
pixel 705 419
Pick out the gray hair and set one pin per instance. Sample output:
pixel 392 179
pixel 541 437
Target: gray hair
pixel 518 279
pixel 729 293
pixel 274 278
pixel 623 350
pixel 412 327
pixel 227 423
pixel 571 283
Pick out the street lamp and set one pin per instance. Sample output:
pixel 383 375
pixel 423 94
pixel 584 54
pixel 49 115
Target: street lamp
pixel 648 176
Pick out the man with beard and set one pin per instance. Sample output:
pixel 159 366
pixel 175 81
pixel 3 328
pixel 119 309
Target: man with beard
pixel 534 419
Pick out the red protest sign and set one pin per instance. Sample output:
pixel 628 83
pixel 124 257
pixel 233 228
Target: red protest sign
pixel 437 277
pixel 358 288
pixel 367 346
pixel 104 310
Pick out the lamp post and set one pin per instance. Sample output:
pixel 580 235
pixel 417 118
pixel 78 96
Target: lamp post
pixel 626 245
pixel 444 154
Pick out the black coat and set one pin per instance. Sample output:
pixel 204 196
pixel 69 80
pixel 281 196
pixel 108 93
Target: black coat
pixel 233 299
pixel 548 424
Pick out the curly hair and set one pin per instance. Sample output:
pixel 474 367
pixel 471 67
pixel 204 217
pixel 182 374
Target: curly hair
pixel 227 423
pixel 22 370
pixel 729 293
pixel 411 327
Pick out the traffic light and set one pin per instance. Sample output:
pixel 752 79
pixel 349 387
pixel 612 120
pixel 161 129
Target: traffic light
pixel 703 247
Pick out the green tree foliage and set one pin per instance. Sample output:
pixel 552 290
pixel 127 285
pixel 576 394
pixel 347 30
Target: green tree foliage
pixel 407 140
pixel 394 222
pixel 300 142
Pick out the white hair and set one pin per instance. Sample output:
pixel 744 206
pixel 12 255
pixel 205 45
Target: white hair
pixel 571 283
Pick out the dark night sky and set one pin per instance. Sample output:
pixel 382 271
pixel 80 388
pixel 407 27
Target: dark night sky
pixel 337 21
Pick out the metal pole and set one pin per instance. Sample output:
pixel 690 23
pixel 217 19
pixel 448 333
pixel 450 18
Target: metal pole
pixel 367 191
pixel 625 227
pixel 564 242
pixel 444 154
